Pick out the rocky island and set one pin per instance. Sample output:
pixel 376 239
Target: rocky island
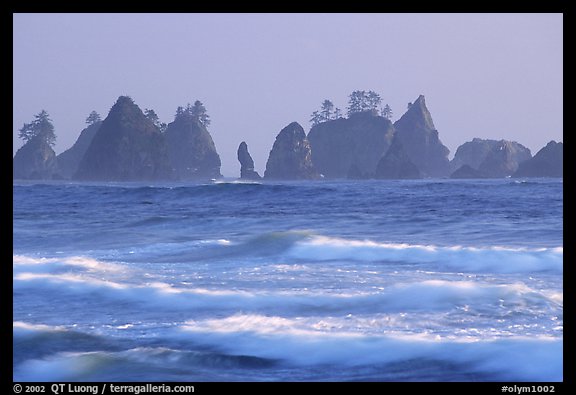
pixel 247 171
pixel 291 157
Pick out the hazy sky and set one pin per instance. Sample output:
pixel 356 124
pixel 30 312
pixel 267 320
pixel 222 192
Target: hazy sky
pixel 483 75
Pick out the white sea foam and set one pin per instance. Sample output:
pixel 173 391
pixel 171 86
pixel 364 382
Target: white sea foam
pixel 493 259
pixel 20 328
pixel 27 263
pixel 523 358
pixel 430 295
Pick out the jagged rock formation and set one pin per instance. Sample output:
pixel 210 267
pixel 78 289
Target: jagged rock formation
pixel 420 140
pixel 247 171
pixel 488 158
pixel 466 171
pixel 69 160
pixel 472 153
pixel 35 160
pixel 503 159
pixel 191 149
pixel 548 162
pixel 350 147
pixel 396 164
pixel 127 147
pixel 290 157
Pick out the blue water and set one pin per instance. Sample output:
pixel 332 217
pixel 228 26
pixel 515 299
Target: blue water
pixel 427 280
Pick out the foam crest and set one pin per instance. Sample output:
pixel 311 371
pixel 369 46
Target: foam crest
pixel 520 358
pixel 494 259
pixel 432 295
pixel 27 263
pixel 24 328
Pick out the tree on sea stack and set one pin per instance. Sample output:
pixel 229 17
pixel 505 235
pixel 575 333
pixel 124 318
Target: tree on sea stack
pixel 93 118
pixel 387 112
pixel 152 116
pixel 199 113
pixel 360 101
pixel 41 127
pixel 327 112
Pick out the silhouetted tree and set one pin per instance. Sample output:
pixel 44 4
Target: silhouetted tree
pixel 40 127
pixel 360 101
pixel 327 110
pixel 337 113
pixel 316 118
pixel 387 112
pixel 355 101
pixel 198 112
pixel 152 116
pixel 93 118
pixel 373 101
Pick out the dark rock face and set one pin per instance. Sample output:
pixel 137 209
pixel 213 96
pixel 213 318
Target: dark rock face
pixel 35 160
pixel 191 150
pixel 472 153
pixel 488 158
pixel 350 147
pixel 466 171
pixel 127 147
pixel 417 133
pixel 291 157
pixel 246 163
pixel 69 160
pixel 503 159
pixel 548 162
pixel 396 164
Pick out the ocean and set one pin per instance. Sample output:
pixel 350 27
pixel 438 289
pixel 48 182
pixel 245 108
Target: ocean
pixel 420 280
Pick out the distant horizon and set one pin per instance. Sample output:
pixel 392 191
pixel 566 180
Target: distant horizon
pixel 491 76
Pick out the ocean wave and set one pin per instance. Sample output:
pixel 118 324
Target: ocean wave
pixel 22 263
pixel 430 295
pixel 469 259
pixel 136 364
pixel 516 358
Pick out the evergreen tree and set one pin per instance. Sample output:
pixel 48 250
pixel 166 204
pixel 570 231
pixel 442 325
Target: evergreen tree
pixel 152 116
pixel 387 112
pixel 355 102
pixel 40 127
pixel 327 110
pixel 198 112
pixel 316 118
pixel 360 101
pixel 372 101
pixel 337 113
pixel 93 118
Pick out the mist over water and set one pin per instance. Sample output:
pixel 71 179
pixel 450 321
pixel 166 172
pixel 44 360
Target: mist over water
pixel 434 280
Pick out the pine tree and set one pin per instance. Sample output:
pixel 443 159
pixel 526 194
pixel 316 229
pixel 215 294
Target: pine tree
pixel 41 127
pixel 387 112
pixel 198 112
pixel 93 118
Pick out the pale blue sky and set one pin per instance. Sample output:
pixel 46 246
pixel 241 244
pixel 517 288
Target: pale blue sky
pixel 483 75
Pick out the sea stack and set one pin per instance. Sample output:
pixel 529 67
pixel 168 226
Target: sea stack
pixel 548 162
pixel 396 164
pixel 127 147
pixel 291 157
pixel 191 150
pixel 69 160
pixel 503 159
pixel 350 147
pixel 247 171
pixel 420 140
pixel 35 160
